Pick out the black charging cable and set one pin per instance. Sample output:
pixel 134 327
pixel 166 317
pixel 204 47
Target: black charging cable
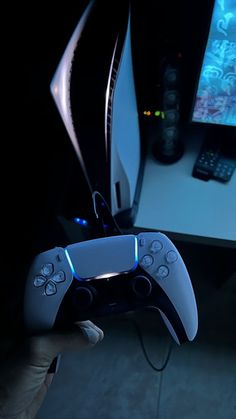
pixel 169 350
pixel 106 223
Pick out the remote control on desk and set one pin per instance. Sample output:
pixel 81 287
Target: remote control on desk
pixel 224 169
pixel 211 163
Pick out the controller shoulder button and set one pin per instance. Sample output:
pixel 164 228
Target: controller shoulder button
pixel 162 272
pixel 156 246
pixel 171 256
pixel 58 277
pixel 47 269
pixel 50 288
pixel 146 261
pixel 39 281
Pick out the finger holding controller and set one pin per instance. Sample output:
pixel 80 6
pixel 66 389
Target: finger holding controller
pixel 25 379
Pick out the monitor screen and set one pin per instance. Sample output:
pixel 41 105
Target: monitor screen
pixel 215 99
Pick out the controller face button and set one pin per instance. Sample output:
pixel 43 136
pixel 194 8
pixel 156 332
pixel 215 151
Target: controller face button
pixel 162 271
pixel 156 246
pixel 142 286
pixel 39 281
pixel 47 269
pixel 146 261
pixel 50 288
pixel 171 256
pixel 84 298
pixel 59 277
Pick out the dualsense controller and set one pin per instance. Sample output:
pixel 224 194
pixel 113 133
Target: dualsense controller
pixel 111 275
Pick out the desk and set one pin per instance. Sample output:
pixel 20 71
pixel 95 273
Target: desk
pixel 172 201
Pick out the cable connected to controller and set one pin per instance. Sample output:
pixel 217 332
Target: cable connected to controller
pixel 107 226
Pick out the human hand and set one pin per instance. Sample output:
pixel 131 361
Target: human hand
pixel 25 379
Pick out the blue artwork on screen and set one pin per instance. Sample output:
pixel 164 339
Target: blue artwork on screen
pixel 216 92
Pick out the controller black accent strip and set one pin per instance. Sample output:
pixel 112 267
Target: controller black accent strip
pixel 115 297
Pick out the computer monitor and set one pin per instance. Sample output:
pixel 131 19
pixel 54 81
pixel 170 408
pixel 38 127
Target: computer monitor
pixel 215 97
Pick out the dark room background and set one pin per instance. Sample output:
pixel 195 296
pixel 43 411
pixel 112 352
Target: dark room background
pixel 37 158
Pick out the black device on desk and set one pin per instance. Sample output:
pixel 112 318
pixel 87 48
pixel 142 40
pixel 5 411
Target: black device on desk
pixel 215 161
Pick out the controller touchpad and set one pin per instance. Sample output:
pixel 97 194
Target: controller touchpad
pixel 114 255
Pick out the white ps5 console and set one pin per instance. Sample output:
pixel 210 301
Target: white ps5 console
pixel 94 90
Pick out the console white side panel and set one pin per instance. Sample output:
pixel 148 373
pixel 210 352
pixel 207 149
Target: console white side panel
pixel 125 135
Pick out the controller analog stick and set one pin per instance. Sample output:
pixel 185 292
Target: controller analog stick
pixel 142 286
pixel 84 298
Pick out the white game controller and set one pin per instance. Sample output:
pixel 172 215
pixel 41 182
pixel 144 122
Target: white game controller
pixel 111 275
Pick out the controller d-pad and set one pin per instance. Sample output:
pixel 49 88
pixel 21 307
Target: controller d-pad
pixel 58 277
pixel 50 288
pixel 47 269
pixel 39 281
pixel 146 261
pixel 156 246
pixel 162 271
pixel 171 256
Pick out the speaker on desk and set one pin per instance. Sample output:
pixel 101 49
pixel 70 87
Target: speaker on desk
pixel 168 148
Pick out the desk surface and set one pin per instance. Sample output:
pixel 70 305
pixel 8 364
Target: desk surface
pixel 173 201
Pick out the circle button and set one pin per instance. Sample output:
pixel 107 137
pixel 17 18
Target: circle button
pixel 171 256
